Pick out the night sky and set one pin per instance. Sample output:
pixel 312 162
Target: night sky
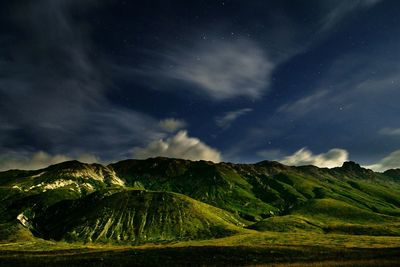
pixel 302 82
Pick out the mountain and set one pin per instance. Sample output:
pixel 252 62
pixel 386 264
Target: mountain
pixel 134 216
pixel 219 185
pixel 74 175
pixel 255 191
pixel 163 199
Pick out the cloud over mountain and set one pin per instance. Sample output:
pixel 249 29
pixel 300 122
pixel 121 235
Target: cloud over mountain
pixel 392 161
pixel 333 158
pixel 178 146
pixel 38 160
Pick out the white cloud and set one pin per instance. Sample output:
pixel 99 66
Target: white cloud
pixel 171 125
pixel 305 104
pixel 333 158
pixel 392 161
pixel 390 131
pixel 38 160
pixel 223 69
pixel 226 120
pixel 178 146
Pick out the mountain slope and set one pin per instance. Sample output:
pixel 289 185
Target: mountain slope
pixel 133 216
pixel 215 184
pixel 74 175
pixel 257 191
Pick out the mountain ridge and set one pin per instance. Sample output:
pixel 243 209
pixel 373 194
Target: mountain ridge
pixel 268 193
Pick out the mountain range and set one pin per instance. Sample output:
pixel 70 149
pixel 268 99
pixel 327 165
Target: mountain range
pixel 164 200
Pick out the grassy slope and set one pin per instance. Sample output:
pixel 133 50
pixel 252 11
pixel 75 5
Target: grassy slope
pixel 332 216
pixel 216 185
pixel 134 216
pixel 254 191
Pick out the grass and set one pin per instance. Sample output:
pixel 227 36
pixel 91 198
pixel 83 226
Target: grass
pixel 287 223
pixel 250 248
pixel 338 263
pixel 332 210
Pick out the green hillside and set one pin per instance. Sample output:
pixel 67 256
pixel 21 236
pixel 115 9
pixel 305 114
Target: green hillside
pixel 215 184
pixel 287 223
pixel 133 216
pixel 257 191
pixel 162 199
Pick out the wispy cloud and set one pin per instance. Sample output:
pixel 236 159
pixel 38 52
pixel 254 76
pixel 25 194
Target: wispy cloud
pixel 305 104
pixel 229 117
pixel 38 160
pixel 390 131
pixel 392 161
pixel 338 10
pixel 222 69
pixel 54 83
pixel 333 158
pixel 228 68
pixel 172 124
pixel 53 73
pixel 53 93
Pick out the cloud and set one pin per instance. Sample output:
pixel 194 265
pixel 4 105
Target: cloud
pixel 171 124
pixel 55 82
pixel 305 104
pixel 222 69
pixel 226 67
pixel 178 146
pixel 270 154
pixel 38 160
pixel 390 131
pixel 111 133
pixel 53 88
pixel 226 120
pixel 333 158
pixel 392 161
pixel 52 80
pixel 338 10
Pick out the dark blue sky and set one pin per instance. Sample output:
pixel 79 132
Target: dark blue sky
pixel 303 82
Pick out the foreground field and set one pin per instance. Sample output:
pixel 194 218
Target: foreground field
pixel 250 248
